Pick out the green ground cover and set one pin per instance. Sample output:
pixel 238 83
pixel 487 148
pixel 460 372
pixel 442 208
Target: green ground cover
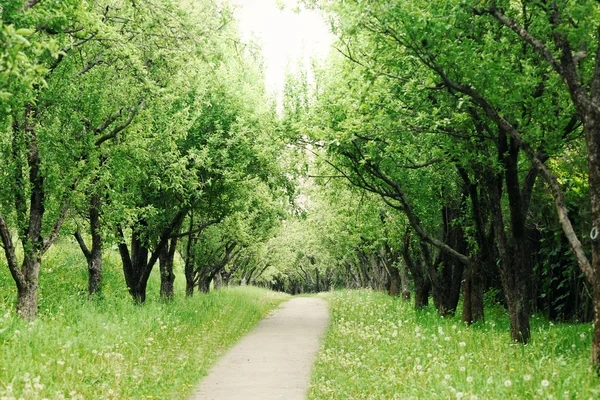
pixel 377 347
pixel 109 347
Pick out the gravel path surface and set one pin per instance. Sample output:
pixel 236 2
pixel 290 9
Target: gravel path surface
pixel 275 360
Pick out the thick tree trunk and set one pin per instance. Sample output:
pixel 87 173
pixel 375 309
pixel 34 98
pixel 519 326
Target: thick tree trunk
pixel 421 280
pixel 95 274
pixel 27 302
pixel 592 133
pixel 514 265
pixel 422 290
pixel 167 276
pixel 473 294
pixel 394 289
pixel 473 310
pixel 204 284
pixel 27 294
pixel 596 338
pixel 218 281
pixel 446 272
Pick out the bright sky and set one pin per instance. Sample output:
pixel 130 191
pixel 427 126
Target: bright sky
pixel 285 35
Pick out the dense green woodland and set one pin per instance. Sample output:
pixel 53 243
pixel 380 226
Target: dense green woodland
pixel 446 151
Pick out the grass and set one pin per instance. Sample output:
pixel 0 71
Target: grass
pixel 109 347
pixel 378 347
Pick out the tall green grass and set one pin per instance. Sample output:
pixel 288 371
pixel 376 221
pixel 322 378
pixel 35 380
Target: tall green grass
pixel 109 347
pixel 378 347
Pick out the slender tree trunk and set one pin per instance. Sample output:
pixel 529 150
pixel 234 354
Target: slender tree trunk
pixel 317 280
pixel 404 281
pixel 95 254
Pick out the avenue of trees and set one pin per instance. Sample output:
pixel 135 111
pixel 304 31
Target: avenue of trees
pixel 447 150
pixel 140 125
pixel 468 135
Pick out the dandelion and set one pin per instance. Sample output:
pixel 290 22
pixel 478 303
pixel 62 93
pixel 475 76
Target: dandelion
pixel 462 369
pixel 507 383
pixel 447 338
pixel 462 344
pixel 582 336
pixel 545 383
pixel 527 378
pixel 459 395
pixel 447 377
pixel 470 379
pixel 395 333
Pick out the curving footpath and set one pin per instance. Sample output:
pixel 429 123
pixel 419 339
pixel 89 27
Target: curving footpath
pixel 275 360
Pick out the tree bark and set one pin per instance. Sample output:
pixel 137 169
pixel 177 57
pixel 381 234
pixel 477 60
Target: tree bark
pixel 421 280
pixel 394 289
pixel 137 265
pixel 27 294
pixel 93 256
pixel 404 281
pixel 167 276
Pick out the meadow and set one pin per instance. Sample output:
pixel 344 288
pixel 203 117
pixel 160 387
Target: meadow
pixel 81 348
pixel 378 347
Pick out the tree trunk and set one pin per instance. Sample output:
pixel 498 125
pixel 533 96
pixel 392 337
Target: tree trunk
pixel 394 289
pixel 218 281
pixel 446 273
pixel 473 294
pixel 204 284
pixel 27 294
pixel 167 276
pixel 422 290
pixel 592 131
pixel 421 280
pixel 95 255
pixel 513 267
pixel 317 280
pixel 404 282
pixel 596 338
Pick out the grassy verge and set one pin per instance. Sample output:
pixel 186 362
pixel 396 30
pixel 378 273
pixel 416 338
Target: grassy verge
pixel 379 348
pixel 111 348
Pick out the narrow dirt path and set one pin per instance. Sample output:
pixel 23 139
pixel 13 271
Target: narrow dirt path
pixel 275 360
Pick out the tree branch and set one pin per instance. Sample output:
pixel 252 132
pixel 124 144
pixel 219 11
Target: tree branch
pixel 9 251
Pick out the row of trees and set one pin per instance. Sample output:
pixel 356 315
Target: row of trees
pixel 141 124
pixel 476 124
